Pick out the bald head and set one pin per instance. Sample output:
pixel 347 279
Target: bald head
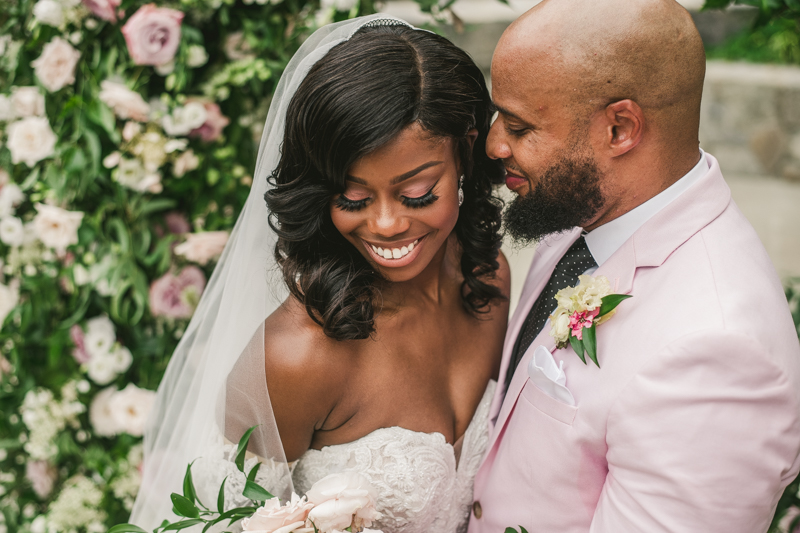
pixel 601 51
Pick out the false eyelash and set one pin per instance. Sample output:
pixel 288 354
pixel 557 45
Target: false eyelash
pixel 346 204
pixel 421 201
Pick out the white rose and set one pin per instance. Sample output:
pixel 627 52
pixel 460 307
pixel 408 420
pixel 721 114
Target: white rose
pixel 559 323
pixel 124 102
pixel 100 415
pixel 100 336
pixel 6 109
pixel 10 197
pixel 49 12
pixel 9 298
pixel 27 101
pixel 202 247
pixel 101 369
pixel 30 140
pixel 122 359
pixel 130 408
pixel 341 500
pixel 196 57
pixel 184 119
pixel 57 228
pixel 11 231
pixel 55 68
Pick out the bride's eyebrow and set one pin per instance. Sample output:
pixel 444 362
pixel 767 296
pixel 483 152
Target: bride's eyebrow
pixel 402 177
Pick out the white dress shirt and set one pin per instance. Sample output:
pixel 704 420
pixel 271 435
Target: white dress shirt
pixel 607 239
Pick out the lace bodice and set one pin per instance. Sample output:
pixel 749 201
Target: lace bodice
pixel 418 486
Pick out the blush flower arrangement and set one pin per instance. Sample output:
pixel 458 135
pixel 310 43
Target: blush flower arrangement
pixel 338 503
pixel 580 310
pixel 128 134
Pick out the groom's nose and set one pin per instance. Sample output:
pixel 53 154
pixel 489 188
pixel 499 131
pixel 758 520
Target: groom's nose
pixel 496 145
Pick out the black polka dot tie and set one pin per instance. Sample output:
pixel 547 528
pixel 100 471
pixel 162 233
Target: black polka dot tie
pixel 575 262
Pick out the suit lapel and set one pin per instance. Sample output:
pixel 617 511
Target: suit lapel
pixel 650 246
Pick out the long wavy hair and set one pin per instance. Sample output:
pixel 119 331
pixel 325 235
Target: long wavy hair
pixel 355 99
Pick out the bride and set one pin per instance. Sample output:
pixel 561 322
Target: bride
pixel 358 317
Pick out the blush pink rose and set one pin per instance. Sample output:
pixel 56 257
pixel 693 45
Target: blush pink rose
pixel 78 339
pixel 42 476
pixel 176 296
pixel 153 34
pixel 272 517
pixel 104 9
pixel 214 124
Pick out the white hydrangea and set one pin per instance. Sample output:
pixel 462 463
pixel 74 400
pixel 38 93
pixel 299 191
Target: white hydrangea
pixel 77 507
pixel 49 12
pixel 45 417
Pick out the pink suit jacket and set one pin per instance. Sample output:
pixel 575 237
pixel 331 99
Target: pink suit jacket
pixel 692 423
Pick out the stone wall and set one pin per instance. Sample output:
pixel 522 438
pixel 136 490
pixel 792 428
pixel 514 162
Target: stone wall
pixel 751 118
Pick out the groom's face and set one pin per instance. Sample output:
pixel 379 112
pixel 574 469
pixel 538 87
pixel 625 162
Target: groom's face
pixel 546 147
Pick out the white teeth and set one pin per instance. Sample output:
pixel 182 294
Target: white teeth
pixel 394 253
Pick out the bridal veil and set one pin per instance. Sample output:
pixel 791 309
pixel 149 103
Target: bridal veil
pixel 189 417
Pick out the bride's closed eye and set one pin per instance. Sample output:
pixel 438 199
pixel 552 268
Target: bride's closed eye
pixel 346 204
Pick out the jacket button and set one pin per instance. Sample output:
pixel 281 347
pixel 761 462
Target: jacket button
pixel 476 509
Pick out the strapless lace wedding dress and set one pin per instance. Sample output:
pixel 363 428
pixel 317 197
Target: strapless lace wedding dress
pixel 419 485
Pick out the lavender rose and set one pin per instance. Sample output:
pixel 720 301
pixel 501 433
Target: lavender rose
pixel 177 296
pixel 153 34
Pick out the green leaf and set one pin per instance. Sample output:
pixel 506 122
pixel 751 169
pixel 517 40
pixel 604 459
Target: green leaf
pixel 126 528
pixel 522 530
pixel 221 496
pixel 32 178
pixel 156 205
pixel 256 492
pixel 510 530
pixel 611 302
pixel 577 345
pixel 183 506
pixel 253 471
pixel 590 343
pixel 183 524
pixel 188 484
pixel 242 450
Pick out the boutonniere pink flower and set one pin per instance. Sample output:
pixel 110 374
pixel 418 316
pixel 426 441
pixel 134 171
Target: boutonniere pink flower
pixel 580 310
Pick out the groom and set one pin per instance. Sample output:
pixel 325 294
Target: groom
pixel 691 422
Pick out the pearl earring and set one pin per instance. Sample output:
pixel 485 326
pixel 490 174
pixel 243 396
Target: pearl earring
pixel 461 190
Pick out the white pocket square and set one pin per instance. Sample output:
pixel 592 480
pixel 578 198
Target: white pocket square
pixel 549 377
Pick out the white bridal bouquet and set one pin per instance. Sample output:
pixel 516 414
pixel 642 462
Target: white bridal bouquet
pixel 337 503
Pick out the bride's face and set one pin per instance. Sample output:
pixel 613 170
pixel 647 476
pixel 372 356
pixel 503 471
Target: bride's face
pixel 401 203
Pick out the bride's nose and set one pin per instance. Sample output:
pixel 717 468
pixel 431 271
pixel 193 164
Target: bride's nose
pixel 387 220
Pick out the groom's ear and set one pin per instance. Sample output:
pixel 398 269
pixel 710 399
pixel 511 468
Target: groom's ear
pixel 624 126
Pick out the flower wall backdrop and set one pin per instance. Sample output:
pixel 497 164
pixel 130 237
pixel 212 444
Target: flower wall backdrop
pixel 127 135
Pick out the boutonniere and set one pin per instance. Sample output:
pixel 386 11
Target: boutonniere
pixel 580 310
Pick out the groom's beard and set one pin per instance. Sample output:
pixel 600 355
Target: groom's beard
pixel 567 194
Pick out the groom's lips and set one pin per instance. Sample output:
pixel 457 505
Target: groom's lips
pixel 514 181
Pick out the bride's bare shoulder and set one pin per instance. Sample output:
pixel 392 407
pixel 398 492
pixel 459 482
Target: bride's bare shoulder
pixel 303 378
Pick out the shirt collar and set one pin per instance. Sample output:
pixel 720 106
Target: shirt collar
pixel 606 239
